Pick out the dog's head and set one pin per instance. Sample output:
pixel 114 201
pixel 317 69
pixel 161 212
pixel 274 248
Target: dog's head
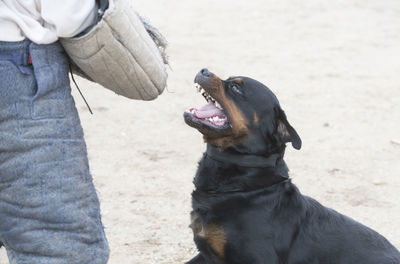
pixel 241 113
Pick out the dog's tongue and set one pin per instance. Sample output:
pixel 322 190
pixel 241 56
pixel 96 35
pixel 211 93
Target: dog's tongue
pixel 208 110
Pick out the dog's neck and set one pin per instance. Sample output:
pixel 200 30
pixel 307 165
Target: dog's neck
pixel 230 171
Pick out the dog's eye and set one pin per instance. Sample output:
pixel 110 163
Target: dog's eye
pixel 235 88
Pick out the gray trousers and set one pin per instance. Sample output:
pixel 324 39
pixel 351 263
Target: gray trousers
pixel 49 210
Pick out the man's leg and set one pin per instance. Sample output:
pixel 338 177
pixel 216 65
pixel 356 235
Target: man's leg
pixel 49 210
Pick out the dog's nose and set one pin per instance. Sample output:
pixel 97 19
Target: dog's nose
pixel 205 72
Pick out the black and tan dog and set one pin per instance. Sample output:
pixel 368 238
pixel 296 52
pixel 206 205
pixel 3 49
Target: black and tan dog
pixel 245 209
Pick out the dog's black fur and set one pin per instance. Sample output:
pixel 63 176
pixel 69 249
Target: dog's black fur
pixel 247 213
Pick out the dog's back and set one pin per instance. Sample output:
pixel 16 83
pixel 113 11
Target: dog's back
pixel 326 236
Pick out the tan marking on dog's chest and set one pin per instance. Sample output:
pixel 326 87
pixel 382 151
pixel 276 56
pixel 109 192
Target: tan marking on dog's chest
pixel 213 234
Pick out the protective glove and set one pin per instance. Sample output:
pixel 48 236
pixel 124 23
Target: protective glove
pixel 122 52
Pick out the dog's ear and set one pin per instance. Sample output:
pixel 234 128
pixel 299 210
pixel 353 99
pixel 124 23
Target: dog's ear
pixel 285 131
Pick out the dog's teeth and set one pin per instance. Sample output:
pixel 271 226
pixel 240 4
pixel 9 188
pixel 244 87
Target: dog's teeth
pixel 197 86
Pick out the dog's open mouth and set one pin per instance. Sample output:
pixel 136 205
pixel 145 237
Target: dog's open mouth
pixel 210 117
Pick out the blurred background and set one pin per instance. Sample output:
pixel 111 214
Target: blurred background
pixel 335 67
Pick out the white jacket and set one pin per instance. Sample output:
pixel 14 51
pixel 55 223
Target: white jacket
pixel 44 21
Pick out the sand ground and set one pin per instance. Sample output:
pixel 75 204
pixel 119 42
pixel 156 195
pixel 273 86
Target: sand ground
pixel 335 67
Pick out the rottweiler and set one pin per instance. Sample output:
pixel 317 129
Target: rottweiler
pixel 245 208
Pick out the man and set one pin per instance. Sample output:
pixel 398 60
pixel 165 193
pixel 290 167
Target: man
pixel 49 210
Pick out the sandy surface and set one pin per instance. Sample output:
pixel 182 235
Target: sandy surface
pixel 335 67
